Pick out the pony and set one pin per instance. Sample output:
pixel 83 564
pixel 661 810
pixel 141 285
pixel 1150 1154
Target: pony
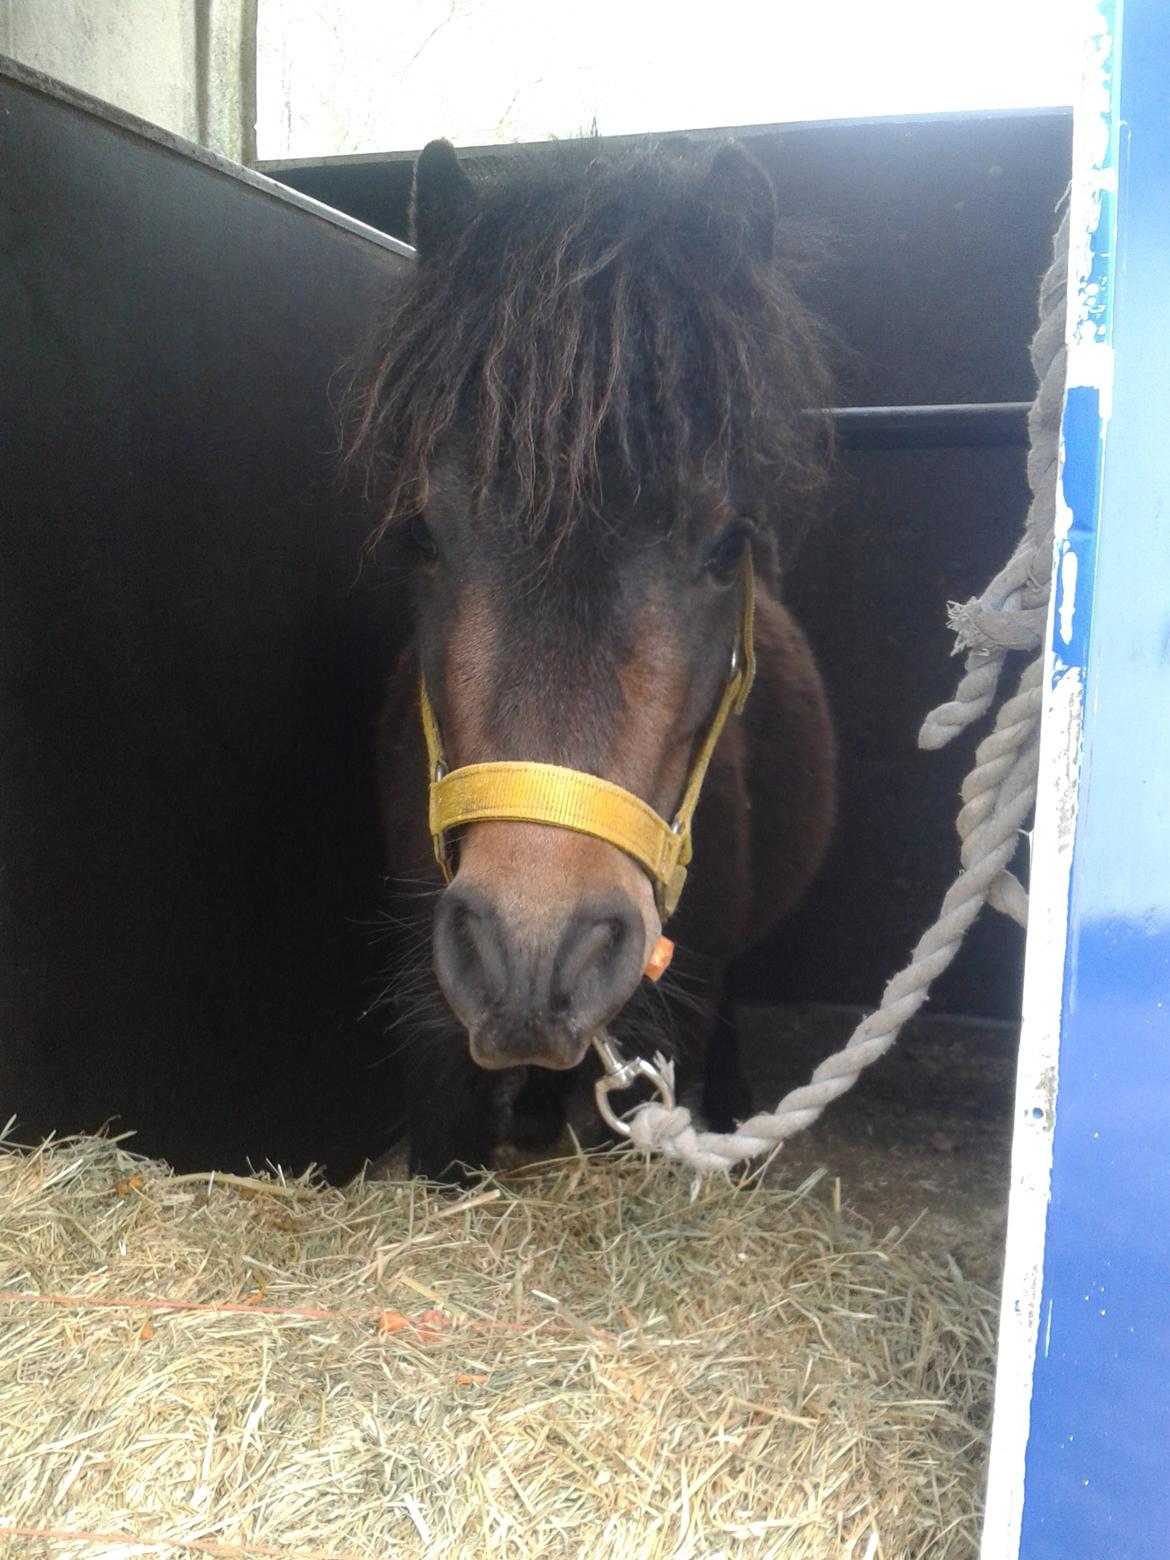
pixel 589 422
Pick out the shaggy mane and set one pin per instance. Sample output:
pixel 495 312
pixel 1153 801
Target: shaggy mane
pixel 595 314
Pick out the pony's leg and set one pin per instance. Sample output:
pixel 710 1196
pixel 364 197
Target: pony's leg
pixel 540 1108
pixel 727 1094
pixel 449 1111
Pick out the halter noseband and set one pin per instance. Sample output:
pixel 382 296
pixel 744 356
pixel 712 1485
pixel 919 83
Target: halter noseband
pixel 516 792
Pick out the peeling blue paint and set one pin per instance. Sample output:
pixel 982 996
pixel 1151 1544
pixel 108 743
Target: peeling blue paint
pixel 1083 435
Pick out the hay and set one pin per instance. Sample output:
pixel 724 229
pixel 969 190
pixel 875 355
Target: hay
pixel 577 1361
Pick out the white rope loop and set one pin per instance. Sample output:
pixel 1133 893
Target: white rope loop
pixel 997 796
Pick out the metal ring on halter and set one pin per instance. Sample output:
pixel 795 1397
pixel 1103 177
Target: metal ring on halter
pixel 442 848
pixel 621 1074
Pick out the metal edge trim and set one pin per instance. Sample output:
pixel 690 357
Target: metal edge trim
pixel 32 80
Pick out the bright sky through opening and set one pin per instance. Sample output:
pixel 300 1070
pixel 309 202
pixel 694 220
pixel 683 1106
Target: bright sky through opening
pixel 370 75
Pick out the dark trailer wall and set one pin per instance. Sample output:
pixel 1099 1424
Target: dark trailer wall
pixel 189 860
pixel 938 231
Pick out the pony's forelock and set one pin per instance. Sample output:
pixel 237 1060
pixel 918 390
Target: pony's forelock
pixel 594 313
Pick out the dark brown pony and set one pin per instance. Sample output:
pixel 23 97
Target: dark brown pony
pixel 590 397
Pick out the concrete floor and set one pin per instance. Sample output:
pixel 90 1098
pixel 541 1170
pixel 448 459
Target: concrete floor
pixel 922 1140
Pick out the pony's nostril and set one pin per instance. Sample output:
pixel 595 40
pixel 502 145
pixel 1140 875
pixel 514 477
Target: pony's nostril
pixel 580 952
pixel 469 952
pixel 597 965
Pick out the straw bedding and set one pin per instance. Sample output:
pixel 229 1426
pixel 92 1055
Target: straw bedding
pixel 585 1359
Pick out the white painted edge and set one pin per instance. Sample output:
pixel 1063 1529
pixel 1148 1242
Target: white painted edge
pixel 1035 1104
pixel 1022 1329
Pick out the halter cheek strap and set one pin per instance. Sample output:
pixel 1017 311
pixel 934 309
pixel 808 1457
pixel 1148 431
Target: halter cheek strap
pixel 520 792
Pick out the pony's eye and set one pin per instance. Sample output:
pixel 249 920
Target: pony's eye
pixel 424 540
pixel 721 561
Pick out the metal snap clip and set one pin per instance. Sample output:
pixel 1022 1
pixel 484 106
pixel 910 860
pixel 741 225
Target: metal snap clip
pixel 622 1073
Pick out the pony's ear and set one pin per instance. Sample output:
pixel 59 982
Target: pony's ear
pixel 740 187
pixel 443 199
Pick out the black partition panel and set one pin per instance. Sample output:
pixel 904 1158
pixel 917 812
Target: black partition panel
pixel 190 657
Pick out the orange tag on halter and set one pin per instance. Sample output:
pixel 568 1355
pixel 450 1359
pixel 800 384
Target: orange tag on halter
pixel 659 961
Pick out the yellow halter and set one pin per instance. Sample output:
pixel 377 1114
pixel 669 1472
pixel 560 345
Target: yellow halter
pixel 515 792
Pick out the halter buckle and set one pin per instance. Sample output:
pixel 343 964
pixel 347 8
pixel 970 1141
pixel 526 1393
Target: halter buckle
pixel 442 848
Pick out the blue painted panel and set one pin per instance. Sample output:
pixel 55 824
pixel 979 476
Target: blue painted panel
pixel 1098 1463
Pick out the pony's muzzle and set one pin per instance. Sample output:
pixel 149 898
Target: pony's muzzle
pixel 533 994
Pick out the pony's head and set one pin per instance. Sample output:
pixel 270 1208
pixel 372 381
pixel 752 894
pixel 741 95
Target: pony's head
pixel 590 409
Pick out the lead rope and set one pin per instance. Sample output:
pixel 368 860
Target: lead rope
pixel 997 795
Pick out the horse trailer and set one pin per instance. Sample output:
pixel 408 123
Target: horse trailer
pixel 195 646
